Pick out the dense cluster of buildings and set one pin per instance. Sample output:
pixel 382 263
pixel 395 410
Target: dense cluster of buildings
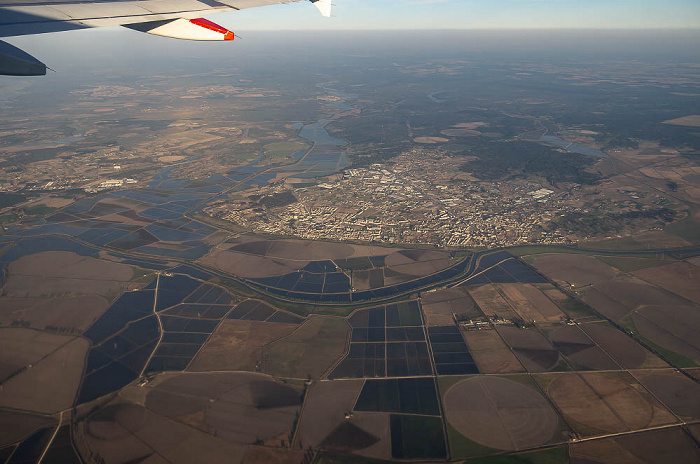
pixel 417 199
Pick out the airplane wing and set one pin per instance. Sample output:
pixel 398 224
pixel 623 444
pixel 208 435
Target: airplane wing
pixel 180 19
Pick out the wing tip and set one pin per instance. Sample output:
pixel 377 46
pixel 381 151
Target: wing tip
pixel 324 6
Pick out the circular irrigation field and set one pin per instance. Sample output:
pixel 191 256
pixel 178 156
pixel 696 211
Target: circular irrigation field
pixel 500 413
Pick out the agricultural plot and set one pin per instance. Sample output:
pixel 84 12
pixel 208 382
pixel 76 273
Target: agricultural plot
pixel 440 306
pixel 310 350
pixel 20 347
pixel 599 403
pixel 654 447
pixel 61 449
pixel 325 409
pixel 491 302
pixel 530 303
pixel 16 426
pixel 42 372
pixel 189 312
pixel 237 345
pixel 332 272
pixel 580 349
pixel 573 308
pixel 450 353
pixel 405 396
pixel 621 348
pixel 386 341
pixel 677 392
pixel 126 432
pixel 239 407
pixel 59 273
pixel 532 349
pixel 491 354
pixel 31 449
pixel 363 435
pixel 501 414
pixel 663 319
pixel 68 314
pixel 122 341
pixel 255 310
pixel 502 267
pixel 134 220
pixel 674 329
pixel 417 437
pixel 681 278
pixel 574 269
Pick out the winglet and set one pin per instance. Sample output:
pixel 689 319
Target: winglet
pixel 324 6
pixel 188 29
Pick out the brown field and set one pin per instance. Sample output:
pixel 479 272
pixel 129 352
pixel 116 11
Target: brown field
pixel 304 250
pixel 605 403
pixel 440 305
pixel 171 159
pixel 15 426
pixel 677 392
pixel 471 125
pixel 672 327
pixel 629 399
pixel 422 268
pixel 695 373
pixel 605 305
pixel 690 121
pixel 500 413
pixel 237 345
pixel 654 447
pixel 260 455
pixel 376 425
pixel 681 278
pixel 491 354
pixel 311 350
pixel 405 257
pixel 324 410
pixel 633 293
pixel 530 303
pixel 360 280
pixel 575 269
pixel 632 263
pixel 72 312
pixel 127 217
pixel 125 432
pixel 532 349
pixel 573 343
pixel 52 202
pixel 51 383
pixel 624 350
pixel 430 140
pixel 58 273
pixel 252 266
pixel 70 266
pixel 239 407
pixel 695 431
pixel 21 347
pixel 297 249
pixel 460 132
pixel 491 302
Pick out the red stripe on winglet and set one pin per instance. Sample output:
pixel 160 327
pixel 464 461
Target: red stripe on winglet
pixel 205 23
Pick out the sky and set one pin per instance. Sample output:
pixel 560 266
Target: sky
pixel 472 14
pixel 66 49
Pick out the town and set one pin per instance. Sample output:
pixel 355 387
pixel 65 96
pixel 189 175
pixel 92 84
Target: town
pixel 408 201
